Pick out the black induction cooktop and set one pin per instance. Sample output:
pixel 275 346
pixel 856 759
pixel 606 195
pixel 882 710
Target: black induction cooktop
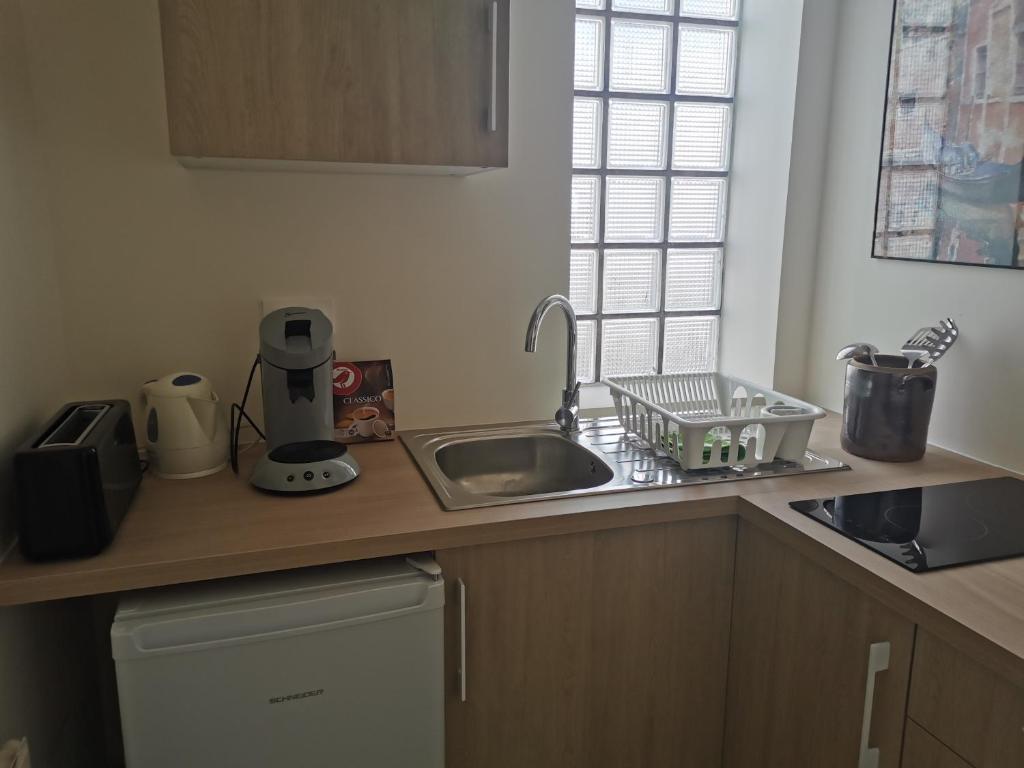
pixel 933 527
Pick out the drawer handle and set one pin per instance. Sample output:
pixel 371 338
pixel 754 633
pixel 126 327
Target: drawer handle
pixel 492 107
pixel 878 661
pixel 461 585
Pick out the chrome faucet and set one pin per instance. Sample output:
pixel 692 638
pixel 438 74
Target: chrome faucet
pixel 568 416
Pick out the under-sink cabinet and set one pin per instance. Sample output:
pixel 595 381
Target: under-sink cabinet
pixel 701 644
pixel 818 671
pixel 603 649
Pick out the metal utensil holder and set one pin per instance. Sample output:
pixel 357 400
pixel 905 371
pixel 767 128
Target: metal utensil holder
pixel 887 408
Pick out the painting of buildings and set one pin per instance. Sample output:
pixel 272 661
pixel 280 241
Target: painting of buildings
pixel 949 187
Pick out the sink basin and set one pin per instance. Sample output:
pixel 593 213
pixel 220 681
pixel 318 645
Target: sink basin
pixel 488 466
pixel 521 465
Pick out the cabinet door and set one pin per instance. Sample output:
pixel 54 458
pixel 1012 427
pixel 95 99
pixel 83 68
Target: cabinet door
pixel 411 82
pixel 968 706
pixel 922 750
pixel 599 649
pixel 806 656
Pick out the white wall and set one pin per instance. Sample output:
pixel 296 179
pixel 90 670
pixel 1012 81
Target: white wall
pixel 978 409
pixel 40 678
pixel 759 186
pixel 161 267
pixel 782 104
pixel 803 202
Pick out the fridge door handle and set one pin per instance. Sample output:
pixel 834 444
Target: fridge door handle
pixel 461 587
pixel 878 661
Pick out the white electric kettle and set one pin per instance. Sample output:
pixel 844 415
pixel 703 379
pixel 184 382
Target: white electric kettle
pixel 185 426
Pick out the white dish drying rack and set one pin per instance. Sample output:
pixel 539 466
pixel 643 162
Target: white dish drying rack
pixel 704 420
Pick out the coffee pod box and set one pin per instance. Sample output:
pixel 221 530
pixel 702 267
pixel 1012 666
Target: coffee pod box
pixel 364 401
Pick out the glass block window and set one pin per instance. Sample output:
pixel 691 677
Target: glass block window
pixel 652 133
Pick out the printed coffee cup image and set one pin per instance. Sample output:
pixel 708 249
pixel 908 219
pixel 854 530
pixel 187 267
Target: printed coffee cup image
pixel 363 419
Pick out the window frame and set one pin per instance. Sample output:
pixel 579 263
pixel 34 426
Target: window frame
pixel 664 246
pixel 980 84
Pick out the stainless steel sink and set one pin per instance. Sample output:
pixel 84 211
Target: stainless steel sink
pixel 521 465
pixel 488 466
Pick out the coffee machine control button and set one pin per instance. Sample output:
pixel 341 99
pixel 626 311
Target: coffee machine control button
pixel 290 478
pixel 308 475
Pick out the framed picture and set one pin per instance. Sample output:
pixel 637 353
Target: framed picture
pixel 949 181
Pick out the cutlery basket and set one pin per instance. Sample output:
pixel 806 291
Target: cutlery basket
pixel 708 420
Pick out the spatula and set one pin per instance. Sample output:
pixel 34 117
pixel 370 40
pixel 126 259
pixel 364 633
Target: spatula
pixel 927 345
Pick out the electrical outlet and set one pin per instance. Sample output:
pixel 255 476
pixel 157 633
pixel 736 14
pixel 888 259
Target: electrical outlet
pixel 325 305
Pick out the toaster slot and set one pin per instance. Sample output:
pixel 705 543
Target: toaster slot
pixel 75 425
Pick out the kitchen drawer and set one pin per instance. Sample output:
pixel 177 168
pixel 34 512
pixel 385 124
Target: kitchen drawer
pixel 922 750
pixel 978 714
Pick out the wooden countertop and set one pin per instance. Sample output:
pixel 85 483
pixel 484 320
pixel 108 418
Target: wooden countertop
pixel 181 531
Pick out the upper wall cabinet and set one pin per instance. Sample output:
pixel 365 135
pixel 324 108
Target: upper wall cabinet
pixel 407 85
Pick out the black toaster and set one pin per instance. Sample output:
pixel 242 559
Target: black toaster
pixel 75 480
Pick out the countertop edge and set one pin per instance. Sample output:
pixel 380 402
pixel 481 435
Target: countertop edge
pixel 146 575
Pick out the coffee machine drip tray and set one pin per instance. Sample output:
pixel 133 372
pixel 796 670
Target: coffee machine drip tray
pixel 313 466
pixel 932 527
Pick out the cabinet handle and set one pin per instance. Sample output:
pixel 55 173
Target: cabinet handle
pixel 461 585
pixel 878 661
pixel 492 107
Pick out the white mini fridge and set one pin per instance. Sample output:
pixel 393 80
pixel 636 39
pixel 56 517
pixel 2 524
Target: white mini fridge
pixel 339 666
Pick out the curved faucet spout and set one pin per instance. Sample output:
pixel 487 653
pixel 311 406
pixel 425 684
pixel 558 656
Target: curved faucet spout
pixel 568 415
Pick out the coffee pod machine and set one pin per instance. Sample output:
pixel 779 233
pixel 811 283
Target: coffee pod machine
pixel 296 360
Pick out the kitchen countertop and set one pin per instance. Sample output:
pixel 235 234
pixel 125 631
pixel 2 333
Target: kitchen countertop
pixel 192 530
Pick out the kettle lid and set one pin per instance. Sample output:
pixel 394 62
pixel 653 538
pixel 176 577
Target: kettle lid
pixel 296 338
pixel 180 384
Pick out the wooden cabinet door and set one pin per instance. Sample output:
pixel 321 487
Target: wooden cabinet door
pixel 799 673
pixel 978 713
pixel 603 650
pixel 410 82
pixel 922 750
pixel 526 628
